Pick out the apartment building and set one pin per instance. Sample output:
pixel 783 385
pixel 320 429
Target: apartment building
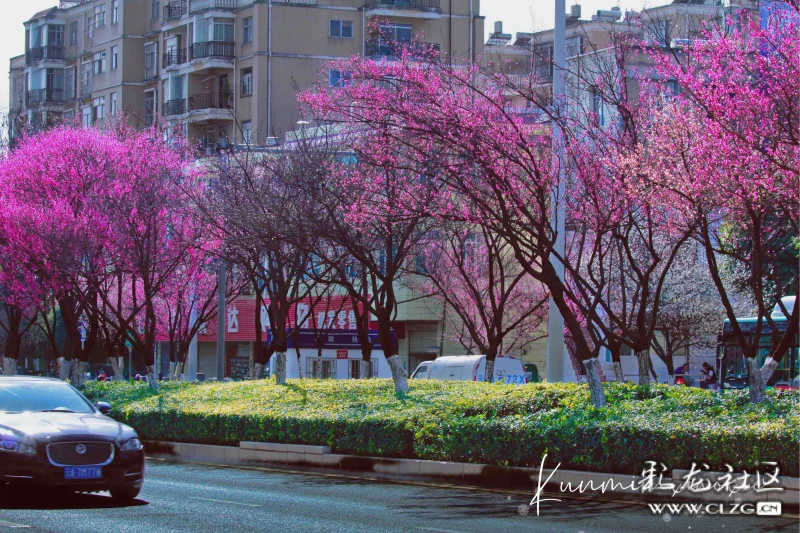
pixel 226 70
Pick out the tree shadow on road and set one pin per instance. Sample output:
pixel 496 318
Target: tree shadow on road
pixel 44 499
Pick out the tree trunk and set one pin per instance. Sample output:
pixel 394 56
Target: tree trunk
pixel 363 371
pixel 76 374
pixel 398 374
pixel 62 368
pixel 258 370
pixel 595 385
pixel 759 378
pixel 299 363
pixel 319 363
pixel 152 377
pixel 643 357
pixel 172 365
pixel 489 372
pixel 280 368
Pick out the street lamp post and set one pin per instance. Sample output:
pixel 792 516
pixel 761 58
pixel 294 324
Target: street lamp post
pixel 555 323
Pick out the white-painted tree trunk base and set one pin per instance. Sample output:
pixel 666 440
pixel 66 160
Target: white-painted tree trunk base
pixel 62 368
pixel 76 373
pixel 319 367
pixel 489 371
pixel 759 377
pixel 116 367
pixel 399 375
pixel 363 371
pixel 258 371
pixel 9 366
pixel 618 372
pixel 596 391
pixel 152 377
pixel 280 368
pixel 644 368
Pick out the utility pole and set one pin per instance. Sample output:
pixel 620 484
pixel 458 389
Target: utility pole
pixel 555 323
pixel 191 370
pixel 221 289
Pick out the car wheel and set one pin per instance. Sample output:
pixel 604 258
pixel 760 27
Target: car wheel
pixel 125 493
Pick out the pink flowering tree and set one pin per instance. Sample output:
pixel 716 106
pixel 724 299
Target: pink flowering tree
pixel 731 160
pixel 494 305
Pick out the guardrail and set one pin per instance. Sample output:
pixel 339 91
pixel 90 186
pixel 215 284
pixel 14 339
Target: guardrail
pixel 210 101
pixel 38 96
pixel 404 4
pixel 175 107
pixel 388 48
pixel 41 53
pixel 223 49
pixel 174 57
pixel 174 10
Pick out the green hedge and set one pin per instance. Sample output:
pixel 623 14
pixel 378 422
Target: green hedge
pixel 474 422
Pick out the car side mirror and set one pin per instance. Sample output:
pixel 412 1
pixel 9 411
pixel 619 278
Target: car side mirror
pixel 104 407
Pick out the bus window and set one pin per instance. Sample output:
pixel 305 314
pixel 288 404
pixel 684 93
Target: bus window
pixel 735 366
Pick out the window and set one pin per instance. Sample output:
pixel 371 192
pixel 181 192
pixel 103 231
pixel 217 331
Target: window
pixel 114 57
pixel 328 367
pixel 114 11
pixel 337 78
pixel 247 132
pixel 154 9
pixel 69 83
pixel 220 30
pixel 114 110
pixel 99 61
pixel 69 116
pixel 100 16
pixel 599 107
pixel 247 30
pixel 86 116
pixel 86 78
pixel 340 28
pixel 149 107
pixel 354 369
pixel 89 27
pixel 99 108
pixel 73 33
pixel 247 82
pixel 55 35
pixel 150 60
pixel 396 32
pixel 575 46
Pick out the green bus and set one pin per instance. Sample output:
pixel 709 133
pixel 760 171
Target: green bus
pixel 733 371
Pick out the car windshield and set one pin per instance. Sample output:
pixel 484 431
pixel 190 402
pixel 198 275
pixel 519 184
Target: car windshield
pixel 19 396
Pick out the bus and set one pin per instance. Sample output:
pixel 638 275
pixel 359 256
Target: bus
pixel 733 372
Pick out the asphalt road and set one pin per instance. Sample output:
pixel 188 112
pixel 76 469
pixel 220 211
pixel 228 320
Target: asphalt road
pixel 181 497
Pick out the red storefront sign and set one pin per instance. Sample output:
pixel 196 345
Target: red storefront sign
pixel 334 312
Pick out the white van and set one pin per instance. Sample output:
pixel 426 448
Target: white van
pixel 507 369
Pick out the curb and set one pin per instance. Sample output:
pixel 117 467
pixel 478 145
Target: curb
pixel 321 459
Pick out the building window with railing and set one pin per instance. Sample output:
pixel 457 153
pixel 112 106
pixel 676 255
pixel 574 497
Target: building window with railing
pixel 149 107
pixel 73 33
pixel 114 57
pixel 86 78
pixel 220 30
pixel 149 60
pixel 328 368
pixel 114 11
pixel 100 16
pixel 99 62
pixel 247 30
pixel 340 28
pixel 114 108
pixel 247 132
pixel 247 82
pixel 99 108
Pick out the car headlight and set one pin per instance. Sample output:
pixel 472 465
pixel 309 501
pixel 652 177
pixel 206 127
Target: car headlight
pixel 15 442
pixel 131 445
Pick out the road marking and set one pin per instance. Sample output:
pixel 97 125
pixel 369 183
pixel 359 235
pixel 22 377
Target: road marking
pixel 226 501
pixel 12 525
pixel 439 530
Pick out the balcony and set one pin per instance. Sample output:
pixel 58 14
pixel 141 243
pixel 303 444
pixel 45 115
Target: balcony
pixel 44 53
pixel 200 5
pixel 174 57
pixel 382 48
pixel 41 96
pixel 174 10
pixel 175 107
pixel 404 8
pixel 210 101
pixel 213 49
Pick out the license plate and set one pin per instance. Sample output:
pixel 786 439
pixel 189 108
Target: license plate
pixel 83 472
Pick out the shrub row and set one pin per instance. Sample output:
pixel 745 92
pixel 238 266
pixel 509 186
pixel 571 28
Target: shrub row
pixel 474 422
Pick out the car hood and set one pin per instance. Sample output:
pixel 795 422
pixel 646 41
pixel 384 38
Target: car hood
pixel 54 425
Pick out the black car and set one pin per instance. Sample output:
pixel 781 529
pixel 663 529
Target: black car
pixel 52 435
